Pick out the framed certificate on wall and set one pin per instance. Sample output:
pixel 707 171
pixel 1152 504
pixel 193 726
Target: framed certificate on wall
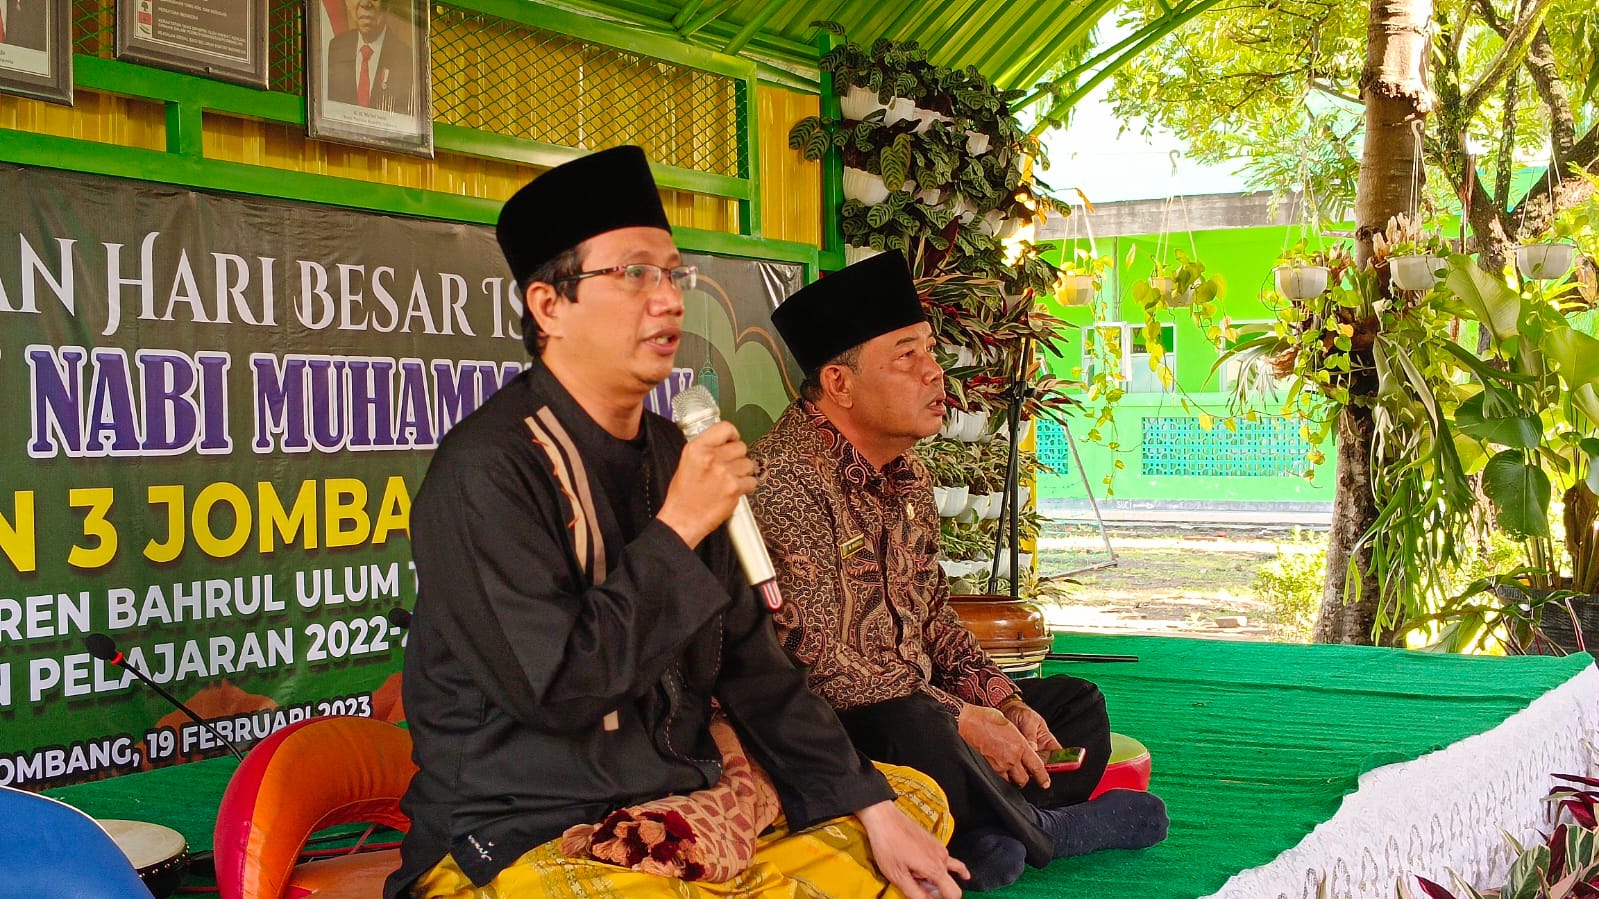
pixel 222 39
pixel 36 49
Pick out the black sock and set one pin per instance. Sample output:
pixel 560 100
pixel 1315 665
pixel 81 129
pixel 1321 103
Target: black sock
pixel 994 858
pixel 1120 819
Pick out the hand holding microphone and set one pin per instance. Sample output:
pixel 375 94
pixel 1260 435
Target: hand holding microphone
pixel 714 476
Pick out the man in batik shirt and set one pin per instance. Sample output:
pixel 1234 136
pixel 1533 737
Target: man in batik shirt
pixel 848 514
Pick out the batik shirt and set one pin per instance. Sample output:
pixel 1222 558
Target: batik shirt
pixel 866 605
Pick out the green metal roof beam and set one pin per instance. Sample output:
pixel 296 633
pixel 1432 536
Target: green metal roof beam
pixel 1167 24
pixel 687 13
pixel 756 22
pixel 1027 74
pixel 975 31
pixel 707 17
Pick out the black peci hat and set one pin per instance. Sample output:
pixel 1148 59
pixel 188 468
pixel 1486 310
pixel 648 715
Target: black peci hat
pixel 575 201
pixel 848 308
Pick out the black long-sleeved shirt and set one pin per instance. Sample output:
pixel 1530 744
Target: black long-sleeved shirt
pixel 566 645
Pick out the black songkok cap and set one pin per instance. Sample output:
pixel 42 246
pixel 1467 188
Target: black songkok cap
pixel 575 201
pixel 848 308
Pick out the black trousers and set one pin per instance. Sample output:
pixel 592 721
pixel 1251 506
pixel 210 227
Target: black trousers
pixel 918 732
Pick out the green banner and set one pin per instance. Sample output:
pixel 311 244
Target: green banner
pixel 214 412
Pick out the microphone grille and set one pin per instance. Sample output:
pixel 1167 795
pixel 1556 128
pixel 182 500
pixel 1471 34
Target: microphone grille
pixel 100 646
pixel 693 403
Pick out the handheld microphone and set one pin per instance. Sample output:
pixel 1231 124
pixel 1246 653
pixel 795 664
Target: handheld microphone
pixel 695 410
pixel 400 617
pixel 105 649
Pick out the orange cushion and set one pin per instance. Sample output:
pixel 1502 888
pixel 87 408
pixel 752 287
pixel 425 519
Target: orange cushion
pixel 306 777
pixel 344 877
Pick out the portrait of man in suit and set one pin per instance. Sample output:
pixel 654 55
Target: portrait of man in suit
pixel 371 64
pixel 23 23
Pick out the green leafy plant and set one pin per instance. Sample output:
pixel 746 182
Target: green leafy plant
pixel 1291 585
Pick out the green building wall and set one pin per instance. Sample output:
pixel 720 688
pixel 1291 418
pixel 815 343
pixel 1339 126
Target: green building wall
pixel 1169 459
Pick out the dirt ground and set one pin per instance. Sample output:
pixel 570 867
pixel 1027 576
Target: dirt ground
pixel 1174 581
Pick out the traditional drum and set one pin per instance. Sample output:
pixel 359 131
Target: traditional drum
pixel 1011 631
pixel 159 854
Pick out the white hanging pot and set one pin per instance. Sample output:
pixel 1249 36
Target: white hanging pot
pixel 859 102
pixel 952 501
pixel 963 210
pixel 976 143
pixel 854 254
pixel 1414 272
pixel 973 424
pixel 1301 282
pixel 864 186
pixel 954 423
pixel 901 110
pixel 1025 560
pixel 931 196
pixel 991 504
pixel 926 117
pixel 1008 228
pixel 1077 290
pixel 1544 261
pixel 1167 287
pixel 991 221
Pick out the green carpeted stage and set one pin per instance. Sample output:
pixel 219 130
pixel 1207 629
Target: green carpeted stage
pixel 1254 745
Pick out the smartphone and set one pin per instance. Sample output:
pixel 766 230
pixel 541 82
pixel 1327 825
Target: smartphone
pixel 1068 759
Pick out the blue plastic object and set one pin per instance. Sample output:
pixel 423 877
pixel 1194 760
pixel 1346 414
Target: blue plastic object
pixel 50 850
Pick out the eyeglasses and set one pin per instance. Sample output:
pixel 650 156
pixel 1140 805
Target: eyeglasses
pixel 642 277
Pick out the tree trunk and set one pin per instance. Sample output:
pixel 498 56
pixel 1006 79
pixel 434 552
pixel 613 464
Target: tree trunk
pixel 1394 88
pixel 1354 510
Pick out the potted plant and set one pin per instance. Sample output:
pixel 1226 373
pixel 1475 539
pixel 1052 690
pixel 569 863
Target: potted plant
pixel 1300 274
pixel 1415 258
pixel 1080 277
pixel 1545 260
pixel 1176 284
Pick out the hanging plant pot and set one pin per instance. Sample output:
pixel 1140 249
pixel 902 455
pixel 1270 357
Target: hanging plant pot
pixel 854 254
pixel 1414 272
pixel 963 209
pixel 859 102
pixel 864 186
pixel 976 424
pixel 988 510
pixel 951 501
pixel 901 110
pixel 1008 228
pixel 990 222
pixel 1167 288
pixel 1077 290
pixel 976 143
pixel 1544 261
pixel 926 117
pixel 1301 282
pixel 931 196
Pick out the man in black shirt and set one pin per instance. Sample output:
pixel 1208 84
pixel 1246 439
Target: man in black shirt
pixel 580 604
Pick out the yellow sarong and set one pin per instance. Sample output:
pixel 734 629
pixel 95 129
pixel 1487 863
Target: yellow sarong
pixel 829 861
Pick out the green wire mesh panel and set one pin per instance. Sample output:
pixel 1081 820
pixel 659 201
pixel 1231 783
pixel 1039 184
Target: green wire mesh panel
pixel 1179 446
pixel 1053 451
pixel 504 77
pixel 501 76
pixel 94 33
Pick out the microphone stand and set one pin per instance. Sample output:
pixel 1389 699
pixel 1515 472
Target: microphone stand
pixel 1009 530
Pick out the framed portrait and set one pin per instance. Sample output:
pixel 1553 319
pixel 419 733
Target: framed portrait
pixel 36 49
pixel 222 39
pixel 367 75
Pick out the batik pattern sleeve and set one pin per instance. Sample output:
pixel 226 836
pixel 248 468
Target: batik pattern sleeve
pixel 822 622
pixel 959 663
pixel 491 534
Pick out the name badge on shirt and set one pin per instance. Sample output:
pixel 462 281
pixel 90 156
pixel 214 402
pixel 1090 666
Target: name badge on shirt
pixel 852 546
